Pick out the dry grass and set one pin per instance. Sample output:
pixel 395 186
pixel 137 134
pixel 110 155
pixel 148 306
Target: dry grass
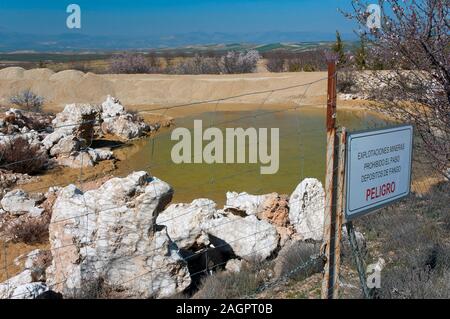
pixel 228 285
pixel 414 239
pixel 97 289
pixel 291 259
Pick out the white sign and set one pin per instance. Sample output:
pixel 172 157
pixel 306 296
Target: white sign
pixel 378 169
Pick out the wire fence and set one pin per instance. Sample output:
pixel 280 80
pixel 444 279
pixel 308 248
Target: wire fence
pixel 85 217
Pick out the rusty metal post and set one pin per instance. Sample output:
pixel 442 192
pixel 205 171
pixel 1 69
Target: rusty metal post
pixel 330 187
pixel 340 210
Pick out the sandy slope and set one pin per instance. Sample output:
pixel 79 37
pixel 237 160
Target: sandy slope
pixel 140 91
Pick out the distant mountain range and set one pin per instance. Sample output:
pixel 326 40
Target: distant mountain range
pixel 81 42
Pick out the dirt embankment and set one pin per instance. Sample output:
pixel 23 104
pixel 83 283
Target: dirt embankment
pixel 155 90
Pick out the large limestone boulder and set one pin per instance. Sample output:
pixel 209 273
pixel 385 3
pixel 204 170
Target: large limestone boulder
pixel 66 146
pixel 76 160
pixel 244 202
pixel 112 108
pixel 53 138
pixel 184 222
pixel 125 126
pixel 248 238
pixel 306 209
pixel 18 202
pixel 273 208
pixel 78 120
pixel 118 122
pixel 110 234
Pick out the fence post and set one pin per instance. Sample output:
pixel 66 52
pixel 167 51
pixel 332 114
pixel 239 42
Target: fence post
pixel 331 224
pixel 340 209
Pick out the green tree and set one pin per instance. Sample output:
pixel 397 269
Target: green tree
pixel 338 48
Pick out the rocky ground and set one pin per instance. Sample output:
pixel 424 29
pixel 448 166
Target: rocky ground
pixel 124 234
pixel 66 138
pixel 81 136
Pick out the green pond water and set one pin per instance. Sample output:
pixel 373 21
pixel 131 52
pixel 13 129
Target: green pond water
pixel 301 153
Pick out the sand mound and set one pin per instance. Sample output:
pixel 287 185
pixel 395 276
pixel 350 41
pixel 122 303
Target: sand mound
pixel 148 90
pixel 67 75
pixel 38 74
pixel 12 73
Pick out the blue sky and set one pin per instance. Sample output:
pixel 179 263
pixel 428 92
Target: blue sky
pixel 165 17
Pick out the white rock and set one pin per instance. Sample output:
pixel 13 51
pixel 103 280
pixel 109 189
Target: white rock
pixel 98 154
pixel 125 127
pixel 234 265
pixel 73 115
pixel 78 120
pixel 53 138
pixel 306 209
pixel 65 146
pixel 184 222
pixel 120 123
pixel 248 238
pixel 8 287
pixel 18 202
pixel 109 233
pixel 244 202
pixel 76 160
pixel 29 291
pixel 112 108
pixel 360 240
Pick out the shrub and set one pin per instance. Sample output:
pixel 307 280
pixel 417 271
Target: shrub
pixel 97 288
pixel 196 65
pixel 19 156
pixel 305 61
pixel 227 285
pixel 345 82
pixel 240 62
pixel 275 64
pixel 309 68
pixel 294 65
pixel 299 260
pixel 131 63
pixel 28 230
pixel 401 283
pixel 28 100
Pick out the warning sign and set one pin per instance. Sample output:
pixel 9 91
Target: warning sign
pixel 378 169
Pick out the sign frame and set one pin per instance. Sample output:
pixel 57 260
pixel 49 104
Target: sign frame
pixel 376 206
